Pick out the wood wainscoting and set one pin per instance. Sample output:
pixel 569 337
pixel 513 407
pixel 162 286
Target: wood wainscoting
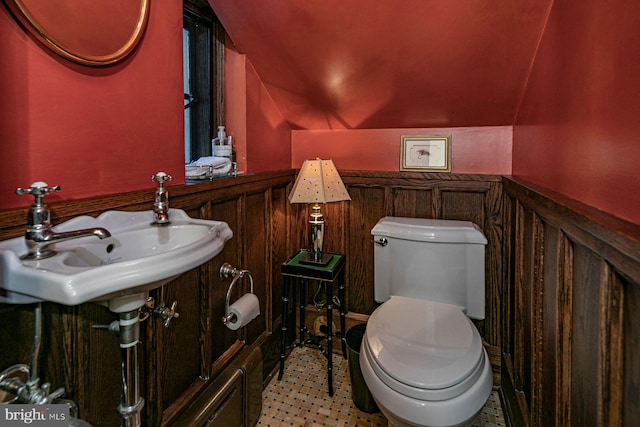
pixel 476 198
pixel 177 363
pixel 562 296
pixel 571 341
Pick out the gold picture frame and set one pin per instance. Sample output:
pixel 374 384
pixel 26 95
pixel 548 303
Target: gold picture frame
pixel 425 153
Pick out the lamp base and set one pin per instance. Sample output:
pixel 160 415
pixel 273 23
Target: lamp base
pixel 308 259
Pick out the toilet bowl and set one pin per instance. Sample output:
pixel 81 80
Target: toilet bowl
pixel 421 357
pixel 424 363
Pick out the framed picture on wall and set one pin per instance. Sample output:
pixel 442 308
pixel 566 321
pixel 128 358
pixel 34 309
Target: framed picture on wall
pixel 425 153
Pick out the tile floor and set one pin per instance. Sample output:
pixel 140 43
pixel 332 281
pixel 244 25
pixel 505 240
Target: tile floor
pixel 301 397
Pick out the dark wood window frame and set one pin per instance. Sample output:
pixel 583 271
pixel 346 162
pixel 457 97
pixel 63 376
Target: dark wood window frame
pixel 206 100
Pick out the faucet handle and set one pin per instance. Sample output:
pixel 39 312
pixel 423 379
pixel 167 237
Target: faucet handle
pixel 160 310
pixel 169 313
pixel 160 178
pixel 38 189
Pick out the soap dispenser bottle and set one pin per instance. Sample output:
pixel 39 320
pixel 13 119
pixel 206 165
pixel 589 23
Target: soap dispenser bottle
pixel 222 136
pixel 219 140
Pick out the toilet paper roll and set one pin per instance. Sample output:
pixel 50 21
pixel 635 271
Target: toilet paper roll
pixel 245 310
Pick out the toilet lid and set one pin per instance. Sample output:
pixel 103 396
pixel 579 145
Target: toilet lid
pixel 424 344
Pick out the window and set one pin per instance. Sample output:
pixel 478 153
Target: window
pixel 203 68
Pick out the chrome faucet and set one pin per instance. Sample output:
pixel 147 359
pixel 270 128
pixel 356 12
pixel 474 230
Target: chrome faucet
pixel 161 201
pixel 39 234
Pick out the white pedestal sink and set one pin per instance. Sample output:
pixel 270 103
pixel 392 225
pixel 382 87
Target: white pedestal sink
pixel 119 270
pixel 116 271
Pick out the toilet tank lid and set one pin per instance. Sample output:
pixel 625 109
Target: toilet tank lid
pixel 429 230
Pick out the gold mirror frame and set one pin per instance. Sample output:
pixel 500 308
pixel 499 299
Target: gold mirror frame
pixel 109 37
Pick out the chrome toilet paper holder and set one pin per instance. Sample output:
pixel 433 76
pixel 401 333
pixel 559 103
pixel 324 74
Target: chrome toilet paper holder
pixel 226 271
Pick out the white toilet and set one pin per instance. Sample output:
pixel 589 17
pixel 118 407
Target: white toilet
pixel 421 357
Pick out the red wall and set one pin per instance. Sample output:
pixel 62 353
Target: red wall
pixel 474 150
pixel 251 115
pixel 92 130
pixel 235 87
pixel 106 130
pixel 578 129
pixel 363 64
pixel 269 135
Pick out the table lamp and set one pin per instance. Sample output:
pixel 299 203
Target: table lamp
pixel 317 182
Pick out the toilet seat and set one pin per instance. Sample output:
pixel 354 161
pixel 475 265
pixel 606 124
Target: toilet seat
pixel 403 410
pixel 423 349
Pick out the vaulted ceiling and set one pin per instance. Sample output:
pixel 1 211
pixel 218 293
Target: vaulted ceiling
pixel 373 64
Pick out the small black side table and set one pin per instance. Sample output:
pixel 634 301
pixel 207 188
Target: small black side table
pixel 330 273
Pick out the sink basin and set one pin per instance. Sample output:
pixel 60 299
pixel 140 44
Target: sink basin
pixel 136 258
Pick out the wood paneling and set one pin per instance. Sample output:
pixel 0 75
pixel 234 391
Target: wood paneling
pixel 178 362
pixel 412 203
pixel 585 342
pixel 550 383
pixel 184 334
pixel 222 338
pixel 630 345
pixel 257 252
pixel 476 198
pixel 571 342
pixel 366 207
pixel 279 250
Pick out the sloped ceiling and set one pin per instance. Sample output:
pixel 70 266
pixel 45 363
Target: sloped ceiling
pixel 374 64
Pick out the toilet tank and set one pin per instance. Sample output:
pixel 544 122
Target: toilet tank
pixel 436 260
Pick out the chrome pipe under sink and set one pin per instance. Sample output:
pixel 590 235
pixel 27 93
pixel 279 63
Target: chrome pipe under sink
pixel 132 402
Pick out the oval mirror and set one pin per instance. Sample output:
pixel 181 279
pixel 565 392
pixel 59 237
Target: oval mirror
pixel 89 32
